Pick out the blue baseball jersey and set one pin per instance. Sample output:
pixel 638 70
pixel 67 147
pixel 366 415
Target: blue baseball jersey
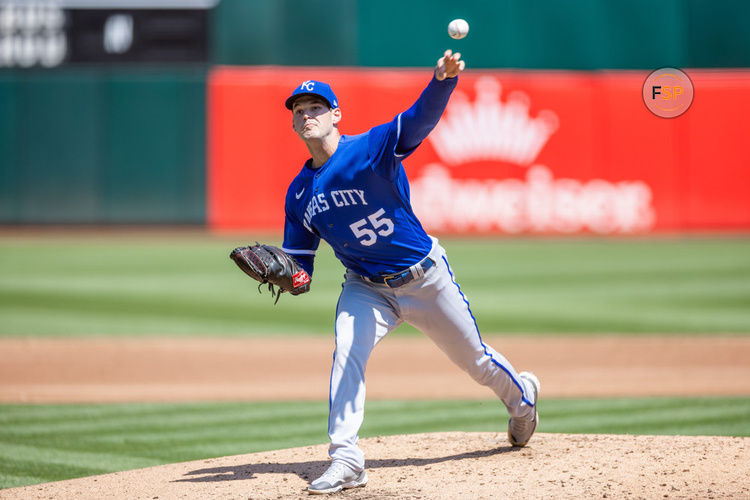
pixel 358 201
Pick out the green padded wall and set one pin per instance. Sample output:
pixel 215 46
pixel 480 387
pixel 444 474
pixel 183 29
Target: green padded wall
pixel 97 146
pixel 287 32
pixel 155 147
pixel 574 34
pixel 10 161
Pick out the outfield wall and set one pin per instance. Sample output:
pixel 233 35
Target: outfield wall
pixel 515 152
pixel 103 145
pixel 122 140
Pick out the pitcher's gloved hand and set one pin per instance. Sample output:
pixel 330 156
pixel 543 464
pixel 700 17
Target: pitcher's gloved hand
pixel 270 264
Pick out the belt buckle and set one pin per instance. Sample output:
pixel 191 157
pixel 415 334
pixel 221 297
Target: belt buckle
pixel 394 276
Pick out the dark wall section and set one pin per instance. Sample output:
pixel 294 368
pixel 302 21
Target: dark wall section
pixel 288 32
pixel 99 146
pixel 577 34
pixel 155 148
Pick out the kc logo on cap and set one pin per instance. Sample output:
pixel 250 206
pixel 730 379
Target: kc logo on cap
pixel 314 88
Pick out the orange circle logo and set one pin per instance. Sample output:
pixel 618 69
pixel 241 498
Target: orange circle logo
pixel 668 92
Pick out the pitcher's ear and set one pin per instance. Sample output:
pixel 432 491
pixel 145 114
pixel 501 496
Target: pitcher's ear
pixel 336 115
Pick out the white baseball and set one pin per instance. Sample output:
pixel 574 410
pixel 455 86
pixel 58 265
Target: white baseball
pixel 458 28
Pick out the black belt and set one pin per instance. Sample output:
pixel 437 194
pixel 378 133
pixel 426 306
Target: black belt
pixel 401 278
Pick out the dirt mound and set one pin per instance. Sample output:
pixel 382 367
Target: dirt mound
pixel 451 465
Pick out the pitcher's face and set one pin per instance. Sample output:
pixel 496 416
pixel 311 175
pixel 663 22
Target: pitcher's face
pixel 313 119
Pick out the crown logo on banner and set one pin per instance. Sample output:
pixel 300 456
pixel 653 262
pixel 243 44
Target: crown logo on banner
pixel 490 129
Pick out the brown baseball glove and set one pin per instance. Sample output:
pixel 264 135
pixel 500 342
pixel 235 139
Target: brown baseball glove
pixel 270 264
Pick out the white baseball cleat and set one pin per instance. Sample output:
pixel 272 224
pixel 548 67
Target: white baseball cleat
pixel 520 429
pixel 338 477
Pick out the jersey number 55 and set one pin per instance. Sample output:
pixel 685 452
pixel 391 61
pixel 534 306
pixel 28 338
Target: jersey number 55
pixel 366 233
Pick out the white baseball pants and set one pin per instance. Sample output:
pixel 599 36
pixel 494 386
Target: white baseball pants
pixel 435 305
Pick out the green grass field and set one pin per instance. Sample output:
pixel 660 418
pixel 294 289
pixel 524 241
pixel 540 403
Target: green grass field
pixel 125 285
pixel 40 443
pixel 177 284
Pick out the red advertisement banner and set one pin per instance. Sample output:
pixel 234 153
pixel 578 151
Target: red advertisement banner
pixel 515 152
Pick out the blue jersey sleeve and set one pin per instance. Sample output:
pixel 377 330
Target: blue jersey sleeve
pixel 390 143
pixel 299 242
pixel 419 120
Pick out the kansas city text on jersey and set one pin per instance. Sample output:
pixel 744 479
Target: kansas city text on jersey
pixel 340 198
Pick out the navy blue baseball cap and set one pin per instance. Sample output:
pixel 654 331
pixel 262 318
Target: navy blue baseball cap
pixel 313 88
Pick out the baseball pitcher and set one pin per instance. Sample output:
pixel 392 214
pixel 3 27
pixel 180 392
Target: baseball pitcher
pixel 353 192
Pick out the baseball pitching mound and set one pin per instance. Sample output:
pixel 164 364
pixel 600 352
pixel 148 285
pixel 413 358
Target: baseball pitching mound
pixel 451 465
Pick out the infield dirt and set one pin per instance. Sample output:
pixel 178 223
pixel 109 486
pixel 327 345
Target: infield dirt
pixel 298 368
